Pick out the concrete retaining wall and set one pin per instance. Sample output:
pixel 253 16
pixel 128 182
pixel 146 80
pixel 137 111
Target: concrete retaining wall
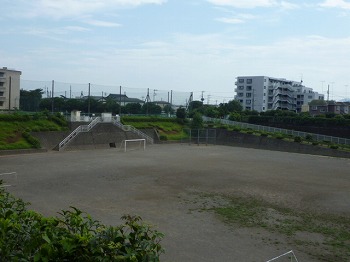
pixel 232 138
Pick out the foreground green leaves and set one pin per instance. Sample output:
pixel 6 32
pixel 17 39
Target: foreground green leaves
pixel 73 236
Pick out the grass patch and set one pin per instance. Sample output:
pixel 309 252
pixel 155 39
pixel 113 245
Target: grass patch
pixel 323 236
pixel 15 130
pixel 168 128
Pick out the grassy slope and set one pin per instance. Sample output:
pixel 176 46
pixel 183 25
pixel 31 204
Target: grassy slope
pixel 167 127
pixel 11 132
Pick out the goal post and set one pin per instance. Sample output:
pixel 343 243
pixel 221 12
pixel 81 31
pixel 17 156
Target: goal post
pixel 139 142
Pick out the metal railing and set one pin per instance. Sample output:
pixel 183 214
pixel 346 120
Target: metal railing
pixel 79 129
pixel 315 137
pixel 134 130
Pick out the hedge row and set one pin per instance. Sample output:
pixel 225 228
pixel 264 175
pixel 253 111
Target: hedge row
pixel 148 119
pixel 300 121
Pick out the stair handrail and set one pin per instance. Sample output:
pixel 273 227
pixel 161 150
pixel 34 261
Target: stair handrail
pixel 134 130
pixel 79 129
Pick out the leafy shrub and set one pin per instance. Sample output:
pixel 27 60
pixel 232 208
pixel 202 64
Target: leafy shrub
pixel 279 136
pixel 308 137
pixel 250 132
pixel 334 146
pixel 264 134
pixel 163 137
pixel 31 140
pixel 297 139
pixel 314 143
pixel 74 236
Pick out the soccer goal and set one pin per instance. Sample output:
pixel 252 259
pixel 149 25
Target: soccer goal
pixel 288 257
pixel 133 144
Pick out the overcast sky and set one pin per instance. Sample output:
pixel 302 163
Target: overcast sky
pixel 180 45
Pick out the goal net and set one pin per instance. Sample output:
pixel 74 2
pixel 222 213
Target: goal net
pixel 133 144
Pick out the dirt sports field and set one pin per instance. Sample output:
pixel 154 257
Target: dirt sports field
pixel 213 203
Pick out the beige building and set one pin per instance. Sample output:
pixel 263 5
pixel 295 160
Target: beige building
pixel 9 88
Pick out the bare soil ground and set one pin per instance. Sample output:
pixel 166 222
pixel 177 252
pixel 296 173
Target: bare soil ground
pixel 173 186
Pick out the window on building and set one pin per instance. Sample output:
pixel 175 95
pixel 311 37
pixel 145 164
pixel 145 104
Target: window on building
pixel 248 108
pixel 264 101
pixel 241 87
pixel 322 110
pixel 1 93
pixel 314 108
pixel 248 94
pixel 240 94
pixel 248 102
pixel 264 94
pixel 309 97
pixel 241 101
pixel 1 103
pixel 249 88
pixel 1 83
pixel 241 80
pixel 2 74
pixel 263 108
pixel 264 87
pixel 249 81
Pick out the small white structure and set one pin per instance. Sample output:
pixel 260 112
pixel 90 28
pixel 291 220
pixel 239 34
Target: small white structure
pixel 106 117
pixel 75 116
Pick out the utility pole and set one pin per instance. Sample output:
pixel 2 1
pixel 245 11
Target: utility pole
pixel 52 95
pixel 202 99
pixel 10 87
pixel 89 102
pixel 154 94
pixel 328 94
pixel 120 100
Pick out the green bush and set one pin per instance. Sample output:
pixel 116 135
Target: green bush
pixel 264 134
pixel 31 140
pixel 279 136
pixel 333 146
pixel 298 139
pixel 308 137
pixel 163 137
pixel 315 143
pixel 250 132
pixel 73 236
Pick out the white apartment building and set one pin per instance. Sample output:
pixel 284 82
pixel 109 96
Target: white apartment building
pixel 9 89
pixel 262 93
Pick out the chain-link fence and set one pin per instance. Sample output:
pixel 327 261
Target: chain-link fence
pixel 76 90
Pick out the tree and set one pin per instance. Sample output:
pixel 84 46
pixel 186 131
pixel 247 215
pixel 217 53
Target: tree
pixel 234 106
pixel 197 121
pixel 181 113
pixel 151 108
pixel 317 102
pixel 132 108
pixel 30 100
pixel 168 109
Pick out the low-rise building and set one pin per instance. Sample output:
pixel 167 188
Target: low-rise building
pixel 9 88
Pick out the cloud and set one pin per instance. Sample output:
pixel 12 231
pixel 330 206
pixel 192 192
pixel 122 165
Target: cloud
pixel 102 23
pixel 336 4
pixel 72 8
pixel 230 20
pixel 244 3
pixel 237 19
pixel 254 3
